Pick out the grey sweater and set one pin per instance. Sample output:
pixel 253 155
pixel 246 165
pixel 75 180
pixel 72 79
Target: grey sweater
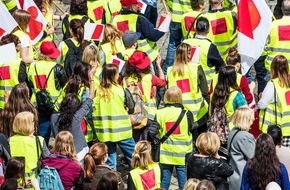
pixel 242 149
pixel 79 138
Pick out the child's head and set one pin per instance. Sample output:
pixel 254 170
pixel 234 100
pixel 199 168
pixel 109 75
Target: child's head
pixel 98 155
pixel 109 181
pixel 173 95
pixel 64 143
pixel 10 184
pixel 24 123
pixel 205 185
pixel 91 55
pixel 111 33
pixel 191 184
pixel 130 38
pixel 15 168
pixel 142 155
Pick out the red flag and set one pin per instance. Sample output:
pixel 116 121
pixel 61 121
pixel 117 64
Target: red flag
pixel 254 23
pixel 7 22
pixel 37 22
pixel 94 31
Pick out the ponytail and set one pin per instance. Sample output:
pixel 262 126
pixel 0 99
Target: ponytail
pixel 89 166
pixel 77 29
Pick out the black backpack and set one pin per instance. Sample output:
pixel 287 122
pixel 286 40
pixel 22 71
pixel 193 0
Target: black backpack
pixel 73 56
pixel 43 99
pixel 66 34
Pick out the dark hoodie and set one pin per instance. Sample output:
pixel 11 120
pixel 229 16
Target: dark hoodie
pixel 69 170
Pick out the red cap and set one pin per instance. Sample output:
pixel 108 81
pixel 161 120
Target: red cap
pixel 128 3
pixel 139 59
pixel 48 48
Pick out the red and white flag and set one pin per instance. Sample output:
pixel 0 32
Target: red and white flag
pixel 254 23
pixel 142 6
pixel 195 54
pixel 94 31
pixel 117 61
pixel 37 22
pixel 7 22
pixel 164 23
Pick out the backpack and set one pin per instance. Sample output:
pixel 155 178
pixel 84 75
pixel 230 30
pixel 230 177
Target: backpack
pixel 4 157
pixel 74 55
pixel 219 124
pixel 49 179
pixel 139 117
pixel 66 34
pixel 43 98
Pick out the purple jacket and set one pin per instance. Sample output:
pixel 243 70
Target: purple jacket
pixel 69 170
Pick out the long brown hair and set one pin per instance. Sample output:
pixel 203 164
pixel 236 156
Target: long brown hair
pixel 15 169
pixel 77 30
pixel 64 144
pixel 22 18
pixel 181 59
pixel 280 70
pixel 109 74
pixel 18 101
pixel 142 155
pixel 95 157
pixel 264 167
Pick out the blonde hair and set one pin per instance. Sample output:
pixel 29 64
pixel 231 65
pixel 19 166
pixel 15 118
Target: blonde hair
pixel 243 118
pixel 173 95
pixel 23 123
pixel 111 34
pixel 181 59
pixel 91 55
pixel 95 157
pixel 64 143
pixel 22 18
pixel 191 184
pixel 142 155
pixel 208 143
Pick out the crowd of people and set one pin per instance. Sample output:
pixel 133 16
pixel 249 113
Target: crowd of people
pixel 193 113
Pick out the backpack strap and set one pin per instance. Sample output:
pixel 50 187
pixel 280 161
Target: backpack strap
pixel 192 24
pixel 84 20
pixel 66 25
pixel 42 87
pixel 165 137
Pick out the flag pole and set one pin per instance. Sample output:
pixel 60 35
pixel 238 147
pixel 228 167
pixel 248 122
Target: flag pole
pixel 165 6
pixel 58 7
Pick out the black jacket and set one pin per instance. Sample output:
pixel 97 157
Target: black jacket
pixel 210 168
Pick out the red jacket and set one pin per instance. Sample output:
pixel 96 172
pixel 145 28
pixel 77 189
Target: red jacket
pixel 69 170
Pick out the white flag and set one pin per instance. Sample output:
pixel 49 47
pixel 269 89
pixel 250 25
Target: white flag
pixel 195 54
pixel 94 31
pixel 117 61
pixel 37 23
pixel 254 23
pixel 7 22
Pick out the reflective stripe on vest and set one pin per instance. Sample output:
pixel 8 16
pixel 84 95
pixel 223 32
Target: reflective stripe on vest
pixel 43 68
pixel 177 8
pixel 204 45
pixel 25 146
pixel 113 123
pixel 279 42
pixel 8 78
pixel 191 95
pixel 268 116
pixel 186 22
pixel 128 22
pixel 179 143
pixel 222 31
pixel 148 179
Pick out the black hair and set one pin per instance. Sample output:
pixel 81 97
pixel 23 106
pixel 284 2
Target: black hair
pixel 78 7
pixel 202 24
pixel 276 133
